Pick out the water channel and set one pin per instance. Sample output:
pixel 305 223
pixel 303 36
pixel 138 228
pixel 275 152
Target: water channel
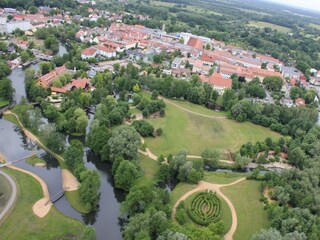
pixel 14 145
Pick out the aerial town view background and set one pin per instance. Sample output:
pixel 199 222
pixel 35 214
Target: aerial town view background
pixel 159 120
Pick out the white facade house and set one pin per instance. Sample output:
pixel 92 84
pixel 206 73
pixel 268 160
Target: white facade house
pixel 9 27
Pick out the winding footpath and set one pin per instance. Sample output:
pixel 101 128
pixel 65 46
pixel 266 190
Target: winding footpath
pixel 13 195
pixel 202 186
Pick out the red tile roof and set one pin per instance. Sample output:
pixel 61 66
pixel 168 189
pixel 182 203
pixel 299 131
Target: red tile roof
pixel 300 102
pixel 195 42
pixel 217 80
pixel 47 79
pixel 89 51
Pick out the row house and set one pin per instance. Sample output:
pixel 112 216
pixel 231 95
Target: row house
pixel 217 82
pixel 47 79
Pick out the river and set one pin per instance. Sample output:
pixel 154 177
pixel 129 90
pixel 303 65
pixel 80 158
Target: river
pixel 13 144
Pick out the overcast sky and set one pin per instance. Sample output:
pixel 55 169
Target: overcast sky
pixel 311 4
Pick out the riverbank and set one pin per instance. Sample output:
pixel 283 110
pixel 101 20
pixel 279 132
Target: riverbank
pixel 23 224
pixel 69 181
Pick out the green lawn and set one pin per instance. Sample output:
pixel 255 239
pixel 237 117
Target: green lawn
pixel 23 224
pixel 34 160
pixel 149 168
pixel 75 201
pixel 183 130
pixel 316 26
pixel 3 103
pixel 251 215
pixel 11 118
pixel 222 177
pixel 226 216
pixel 179 190
pixel 5 192
pixel 259 24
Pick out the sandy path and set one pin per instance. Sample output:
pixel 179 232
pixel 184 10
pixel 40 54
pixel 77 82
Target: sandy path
pixel 71 181
pixel 202 185
pixel 42 207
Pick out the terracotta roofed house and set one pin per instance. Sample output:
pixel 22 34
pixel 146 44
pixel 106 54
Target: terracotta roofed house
pixel 195 43
pixel 89 53
pixel 219 83
pixel 46 80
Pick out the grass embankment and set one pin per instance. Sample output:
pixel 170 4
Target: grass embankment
pixel 251 215
pixel 5 192
pixel 222 177
pixel 33 160
pixel 183 130
pixel 23 224
pixel 3 103
pixel 226 217
pixel 259 24
pixel 74 199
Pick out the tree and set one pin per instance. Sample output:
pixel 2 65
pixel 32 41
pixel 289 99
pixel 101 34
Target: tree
pixel 89 189
pixel 6 89
pixel 297 157
pixel 273 83
pixel 33 9
pixel 241 161
pixel 136 88
pixel 154 95
pixel 52 43
pixel 267 234
pixel 126 174
pixel 4 69
pixel 73 158
pixel 124 142
pixel 45 67
pixel 143 127
pixel 210 157
pixel 52 139
pixel 89 234
pixel 24 56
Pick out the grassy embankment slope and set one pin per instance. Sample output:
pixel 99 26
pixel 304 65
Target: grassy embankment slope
pixel 23 224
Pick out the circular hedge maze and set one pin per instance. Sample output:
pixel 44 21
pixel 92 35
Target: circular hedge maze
pixel 205 208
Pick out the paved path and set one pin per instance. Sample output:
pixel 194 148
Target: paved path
pixel 202 186
pixel 189 111
pixel 13 194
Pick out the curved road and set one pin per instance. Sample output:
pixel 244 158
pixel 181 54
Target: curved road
pixel 13 195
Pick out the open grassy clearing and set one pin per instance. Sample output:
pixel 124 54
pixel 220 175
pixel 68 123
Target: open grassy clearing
pixel 149 168
pixel 313 25
pixel 251 215
pixel 75 201
pixel 259 24
pixel 34 160
pixel 23 224
pixel 182 130
pixel 195 9
pixel 226 217
pixel 5 192
pixel 179 190
pixel 222 177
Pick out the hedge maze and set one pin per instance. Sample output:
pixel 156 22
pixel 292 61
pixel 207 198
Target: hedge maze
pixel 205 208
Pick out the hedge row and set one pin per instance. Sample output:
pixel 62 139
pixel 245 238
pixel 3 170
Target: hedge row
pixel 205 208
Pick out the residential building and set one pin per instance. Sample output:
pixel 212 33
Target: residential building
pixel 219 83
pixel 89 53
pixel 46 80
pixel 177 63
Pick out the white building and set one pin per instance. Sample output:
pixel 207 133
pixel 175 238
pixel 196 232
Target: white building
pixel 9 27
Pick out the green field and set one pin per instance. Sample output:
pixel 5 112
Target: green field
pixel 179 190
pixel 222 177
pixel 149 169
pixel 3 103
pixel 34 160
pixel 226 217
pixel 251 215
pixel 313 25
pixel 23 224
pixel 75 201
pixel 183 130
pixel 259 24
pixel 5 192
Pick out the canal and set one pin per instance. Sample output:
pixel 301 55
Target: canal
pixel 14 145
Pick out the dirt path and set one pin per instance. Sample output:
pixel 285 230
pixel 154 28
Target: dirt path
pixel 189 111
pixel 69 182
pixel 42 207
pixel 202 185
